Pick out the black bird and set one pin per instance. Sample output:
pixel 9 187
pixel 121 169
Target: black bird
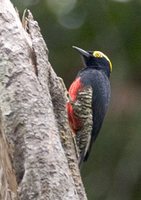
pixel 89 96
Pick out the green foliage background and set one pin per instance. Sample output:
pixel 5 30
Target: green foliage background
pixel 113 171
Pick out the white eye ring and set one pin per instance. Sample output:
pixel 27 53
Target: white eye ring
pixel 99 54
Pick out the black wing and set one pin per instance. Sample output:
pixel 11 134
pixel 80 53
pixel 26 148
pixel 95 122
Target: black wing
pixel 100 99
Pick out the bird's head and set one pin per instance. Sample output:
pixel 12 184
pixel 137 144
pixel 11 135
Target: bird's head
pixel 95 59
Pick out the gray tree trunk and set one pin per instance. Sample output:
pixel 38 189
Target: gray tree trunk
pixel 38 159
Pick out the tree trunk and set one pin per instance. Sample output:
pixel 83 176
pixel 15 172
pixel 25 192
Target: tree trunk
pixel 38 158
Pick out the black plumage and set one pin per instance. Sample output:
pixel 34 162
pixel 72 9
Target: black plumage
pixel 95 76
pixel 101 93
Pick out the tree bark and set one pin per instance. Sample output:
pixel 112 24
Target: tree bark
pixel 38 158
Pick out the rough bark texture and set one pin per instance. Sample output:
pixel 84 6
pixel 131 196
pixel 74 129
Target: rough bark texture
pixel 37 154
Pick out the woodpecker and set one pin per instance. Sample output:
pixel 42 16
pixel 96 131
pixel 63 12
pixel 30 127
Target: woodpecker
pixel 89 97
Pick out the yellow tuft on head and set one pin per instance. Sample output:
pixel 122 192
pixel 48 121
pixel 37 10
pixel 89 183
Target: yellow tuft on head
pixel 99 54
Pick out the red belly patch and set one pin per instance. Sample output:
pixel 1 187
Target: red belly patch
pixel 75 87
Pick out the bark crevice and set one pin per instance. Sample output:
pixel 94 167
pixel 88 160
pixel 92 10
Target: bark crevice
pixel 37 153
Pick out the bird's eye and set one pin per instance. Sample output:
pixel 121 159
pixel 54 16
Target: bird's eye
pixel 97 54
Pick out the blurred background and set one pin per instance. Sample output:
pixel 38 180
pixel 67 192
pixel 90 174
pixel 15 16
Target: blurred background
pixel 113 171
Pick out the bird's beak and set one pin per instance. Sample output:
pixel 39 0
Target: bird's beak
pixel 81 51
